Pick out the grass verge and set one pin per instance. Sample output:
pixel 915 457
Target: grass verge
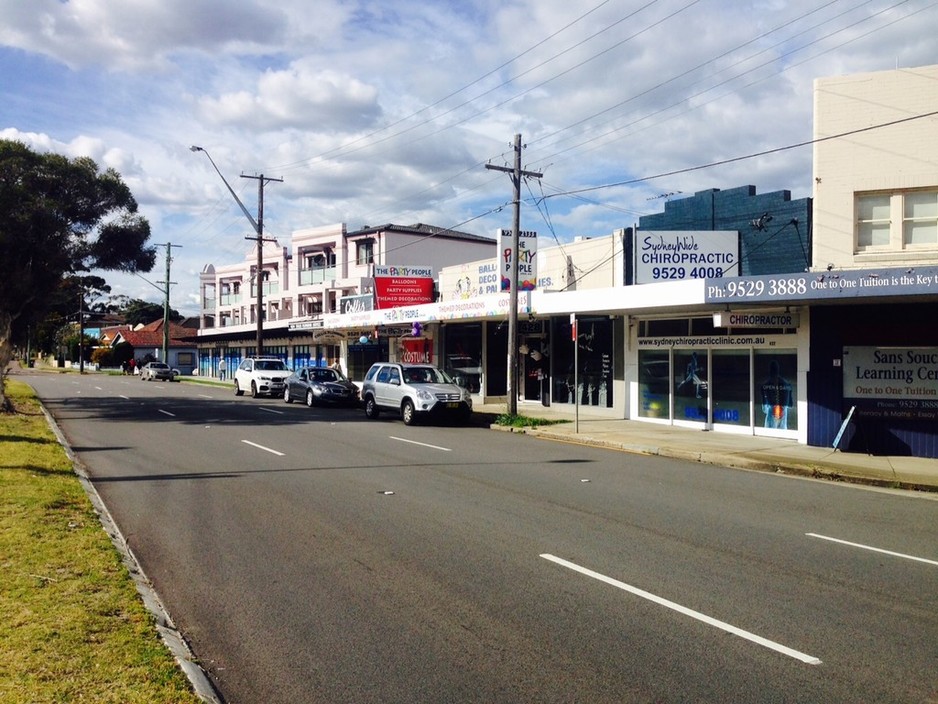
pixel 519 421
pixel 72 625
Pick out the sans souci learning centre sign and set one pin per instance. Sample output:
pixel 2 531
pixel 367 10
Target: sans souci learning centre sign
pixel 892 382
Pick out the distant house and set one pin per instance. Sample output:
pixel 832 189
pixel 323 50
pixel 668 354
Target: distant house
pixel 147 344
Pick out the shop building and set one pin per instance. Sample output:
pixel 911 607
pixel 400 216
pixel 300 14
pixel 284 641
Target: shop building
pixel 323 271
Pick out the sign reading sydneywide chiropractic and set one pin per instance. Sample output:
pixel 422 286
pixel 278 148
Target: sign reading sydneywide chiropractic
pixel 398 286
pixel 892 382
pixel 525 259
pixel 668 255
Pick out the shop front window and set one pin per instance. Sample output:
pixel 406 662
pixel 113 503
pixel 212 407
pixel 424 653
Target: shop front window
pixel 654 384
pixel 730 394
pixel 690 385
pixel 462 357
pixel 776 388
pixel 592 384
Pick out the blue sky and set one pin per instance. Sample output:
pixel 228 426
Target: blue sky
pixel 377 112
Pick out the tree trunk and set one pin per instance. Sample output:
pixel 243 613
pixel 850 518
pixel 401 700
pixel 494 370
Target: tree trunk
pixel 6 353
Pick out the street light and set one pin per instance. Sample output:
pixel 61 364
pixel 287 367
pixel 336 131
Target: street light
pixel 258 226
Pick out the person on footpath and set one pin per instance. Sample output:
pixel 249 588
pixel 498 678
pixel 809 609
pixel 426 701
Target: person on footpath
pixel 222 368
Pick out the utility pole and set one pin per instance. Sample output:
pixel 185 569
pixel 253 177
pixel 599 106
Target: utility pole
pixel 517 174
pixel 169 259
pixel 259 239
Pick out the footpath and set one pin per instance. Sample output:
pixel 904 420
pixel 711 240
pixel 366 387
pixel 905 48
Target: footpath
pixel 728 449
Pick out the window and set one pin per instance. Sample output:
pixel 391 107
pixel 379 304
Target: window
pixel 920 219
pixel 873 221
pixel 879 217
pixel 365 252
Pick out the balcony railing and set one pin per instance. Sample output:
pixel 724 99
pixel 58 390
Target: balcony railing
pixel 317 276
pixel 268 288
pixel 229 299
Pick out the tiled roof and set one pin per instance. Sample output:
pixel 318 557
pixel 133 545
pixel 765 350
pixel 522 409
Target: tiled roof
pixel 422 229
pixel 151 335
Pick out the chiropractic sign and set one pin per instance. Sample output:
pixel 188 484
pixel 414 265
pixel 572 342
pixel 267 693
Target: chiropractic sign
pixel 668 255
pixel 892 382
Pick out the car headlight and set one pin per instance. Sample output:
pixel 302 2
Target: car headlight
pixel 424 395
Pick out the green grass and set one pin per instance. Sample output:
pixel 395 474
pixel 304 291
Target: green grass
pixel 72 625
pixel 519 421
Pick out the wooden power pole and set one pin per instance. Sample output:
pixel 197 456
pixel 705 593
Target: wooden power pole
pixel 516 174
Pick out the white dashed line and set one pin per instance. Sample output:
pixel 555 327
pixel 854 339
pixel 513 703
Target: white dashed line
pixel 722 625
pixel 261 447
pixel 171 415
pixel 872 549
pixel 422 444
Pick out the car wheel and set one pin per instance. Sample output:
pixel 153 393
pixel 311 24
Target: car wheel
pixel 253 390
pixel 310 399
pixel 371 408
pixel 408 413
pixel 286 394
pixel 238 390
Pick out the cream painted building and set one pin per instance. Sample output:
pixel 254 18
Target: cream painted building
pixel 875 183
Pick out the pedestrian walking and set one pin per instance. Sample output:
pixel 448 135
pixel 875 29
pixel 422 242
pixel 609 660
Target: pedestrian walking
pixel 222 368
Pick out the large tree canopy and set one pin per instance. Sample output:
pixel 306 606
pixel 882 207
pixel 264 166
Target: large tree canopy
pixel 59 216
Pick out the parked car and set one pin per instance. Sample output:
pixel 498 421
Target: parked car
pixel 415 391
pixel 157 371
pixel 262 376
pixel 320 385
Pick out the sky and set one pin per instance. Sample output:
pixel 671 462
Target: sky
pixel 376 112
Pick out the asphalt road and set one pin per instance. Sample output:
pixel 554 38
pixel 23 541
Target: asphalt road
pixel 311 555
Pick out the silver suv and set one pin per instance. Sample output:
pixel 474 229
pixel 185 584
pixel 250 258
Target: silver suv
pixel 262 376
pixel 415 391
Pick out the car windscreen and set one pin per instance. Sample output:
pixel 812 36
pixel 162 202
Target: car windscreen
pixel 324 375
pixel 426 375
pixel 271 366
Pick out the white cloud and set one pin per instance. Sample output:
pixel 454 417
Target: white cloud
pixel 358 105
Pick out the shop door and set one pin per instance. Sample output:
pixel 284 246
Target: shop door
pixel 534 367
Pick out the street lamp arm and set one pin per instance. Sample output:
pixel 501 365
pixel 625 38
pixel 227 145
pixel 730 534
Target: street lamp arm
pixel 230 189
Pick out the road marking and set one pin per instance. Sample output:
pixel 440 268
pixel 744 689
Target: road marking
pixel 171 415
pixel 205 396
pixel 722 625
pixel 271 410
pixel 422 444
pixel 872 549
pixel 124 397
pixel 261 447
pixel 99 388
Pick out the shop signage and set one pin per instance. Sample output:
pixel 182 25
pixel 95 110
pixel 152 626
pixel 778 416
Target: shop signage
pixel 305 325
pixel 399 286
pixel 728 319
pixel 668 255
pixel 357 304
pixel 416 351
pixel 824 285
pixel 891 382
pixel 526 259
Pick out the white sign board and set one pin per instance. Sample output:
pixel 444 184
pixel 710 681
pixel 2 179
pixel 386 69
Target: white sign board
pixel 526 259
pixel 667 255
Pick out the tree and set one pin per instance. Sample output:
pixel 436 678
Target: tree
pixel 139 312
pixel 59 217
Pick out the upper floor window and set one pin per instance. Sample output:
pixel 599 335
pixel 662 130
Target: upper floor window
pixel 897 221
pixel 365 252
pixel 920 219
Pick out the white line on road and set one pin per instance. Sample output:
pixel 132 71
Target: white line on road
pixel 271 410
pixel 722 625
pixel 205 396
pixel 422 444
pixel 261 447
pixel 869 547
pixel 99 388
pixel 124 397
pixel 171 415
